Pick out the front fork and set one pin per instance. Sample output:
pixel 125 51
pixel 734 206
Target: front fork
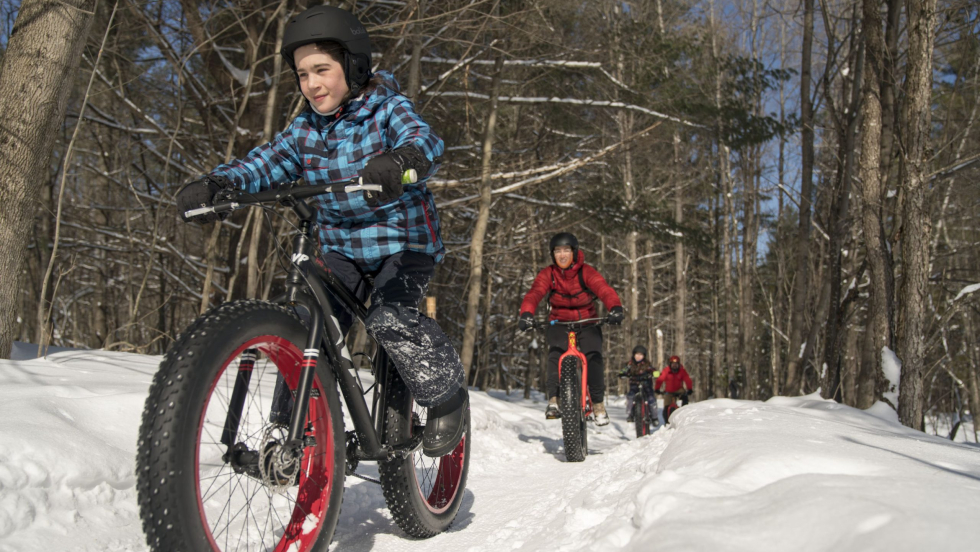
pixel 573 351
pixel 238 396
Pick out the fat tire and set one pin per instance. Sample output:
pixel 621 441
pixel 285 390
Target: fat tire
pixel 166 478
pixel 572 418
pixel 639 417
pixel 398 479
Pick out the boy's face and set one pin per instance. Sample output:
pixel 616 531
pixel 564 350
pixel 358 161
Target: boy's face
pixel 321 78
pixel 563 256
pixel 638 357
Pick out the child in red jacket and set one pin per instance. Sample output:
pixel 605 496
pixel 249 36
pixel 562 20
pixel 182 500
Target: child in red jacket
pixel 572 288
pixel 672 380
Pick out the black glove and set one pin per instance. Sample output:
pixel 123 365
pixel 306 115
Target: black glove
pixel 616 316
pixel 525 322
pixel 200 193
pixel 386 169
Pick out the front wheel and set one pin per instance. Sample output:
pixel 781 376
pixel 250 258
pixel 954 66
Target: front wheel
pixel 640 415
pixel 573 425
pixel 213 473
pixel 423 493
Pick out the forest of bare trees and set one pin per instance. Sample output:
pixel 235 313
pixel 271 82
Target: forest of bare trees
pixel 782 192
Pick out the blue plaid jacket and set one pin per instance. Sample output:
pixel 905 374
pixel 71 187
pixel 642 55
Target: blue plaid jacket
pixel 330 149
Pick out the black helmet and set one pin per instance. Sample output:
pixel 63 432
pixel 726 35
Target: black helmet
pixel 564 238
pixel 327 23
pixel 640 349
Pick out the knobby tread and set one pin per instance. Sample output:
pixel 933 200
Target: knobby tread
pixel 398 482
pixel 638 416
pixel 168 426
pixel 571 411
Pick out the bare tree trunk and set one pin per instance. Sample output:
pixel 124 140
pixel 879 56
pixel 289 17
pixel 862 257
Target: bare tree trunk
pixel 974 377
pixel 724 173
pixel 480 229
pixel 916 117
pixel 878 333
pixel 680 277
pixel 839 226
pixel 268 129
pixel 36 78
pixel 415 63
pixel 797 331
pixel 889 83
pixel 746 280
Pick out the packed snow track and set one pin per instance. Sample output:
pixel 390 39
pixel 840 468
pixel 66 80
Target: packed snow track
pixel 788 474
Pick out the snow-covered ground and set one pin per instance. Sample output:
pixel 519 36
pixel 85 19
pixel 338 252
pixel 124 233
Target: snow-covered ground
pixel 786 474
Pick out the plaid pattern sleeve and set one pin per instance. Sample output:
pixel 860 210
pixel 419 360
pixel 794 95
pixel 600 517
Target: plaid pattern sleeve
pixel 272 163
pixel 406 128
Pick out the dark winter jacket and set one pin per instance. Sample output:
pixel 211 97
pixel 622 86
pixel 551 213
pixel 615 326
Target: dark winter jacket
pixel 671 382
pixel 568 300
pixel 324 149
pixel 638 371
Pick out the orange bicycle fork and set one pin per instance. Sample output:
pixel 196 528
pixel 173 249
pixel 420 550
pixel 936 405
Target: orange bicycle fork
pixel 573 351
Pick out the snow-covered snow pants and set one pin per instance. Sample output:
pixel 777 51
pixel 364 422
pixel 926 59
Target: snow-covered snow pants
pixel 590 343
pixel 648 389
pixel 421 351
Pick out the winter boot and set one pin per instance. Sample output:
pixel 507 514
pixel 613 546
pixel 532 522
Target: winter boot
pixel 552 412
pixel 629 417
pixel 599 411
pixel 445 424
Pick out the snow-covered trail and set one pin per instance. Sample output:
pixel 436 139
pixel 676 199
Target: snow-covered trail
pixel 787 474
pixel 521 493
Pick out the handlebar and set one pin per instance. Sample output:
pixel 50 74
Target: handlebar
pixel 573 325
pixel 237 198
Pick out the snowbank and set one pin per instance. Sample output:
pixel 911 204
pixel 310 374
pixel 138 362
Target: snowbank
pixel 787 474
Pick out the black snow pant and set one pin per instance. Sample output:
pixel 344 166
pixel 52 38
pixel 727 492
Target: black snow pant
pixel 589 341
pixel 421 351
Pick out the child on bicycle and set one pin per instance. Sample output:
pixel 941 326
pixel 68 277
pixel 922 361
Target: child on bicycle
pixel 672 382
pixel 572 288
pixel 640 371
pixel 358 124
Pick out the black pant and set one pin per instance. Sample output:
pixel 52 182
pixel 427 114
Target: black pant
pixel 634 388
pixel 589 341
pixel 421 351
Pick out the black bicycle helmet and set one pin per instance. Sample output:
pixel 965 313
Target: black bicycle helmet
pixel 640 349
pixel 564 238
pixel 327 23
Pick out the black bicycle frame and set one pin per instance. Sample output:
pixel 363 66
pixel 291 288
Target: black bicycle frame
pixel 307 285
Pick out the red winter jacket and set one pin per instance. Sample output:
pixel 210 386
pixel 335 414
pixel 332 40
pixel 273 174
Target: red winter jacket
pixel 570 302
pixel 671 382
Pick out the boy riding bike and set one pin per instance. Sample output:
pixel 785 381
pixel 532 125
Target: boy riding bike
pixel 672 382
pixel 357 124
pixel 572 288
pixel 640 372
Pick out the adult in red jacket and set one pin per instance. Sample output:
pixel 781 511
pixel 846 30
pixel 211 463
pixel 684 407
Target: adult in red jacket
pixel 672 380
pixel 572 288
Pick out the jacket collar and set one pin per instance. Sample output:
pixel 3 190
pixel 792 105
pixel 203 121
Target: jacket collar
pixel 364 105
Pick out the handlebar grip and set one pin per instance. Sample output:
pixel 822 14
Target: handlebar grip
pixel 219 207
pixel 411 176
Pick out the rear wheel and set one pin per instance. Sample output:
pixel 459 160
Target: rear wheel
pixel 423 493
pixel 213 473
pixel 572 418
